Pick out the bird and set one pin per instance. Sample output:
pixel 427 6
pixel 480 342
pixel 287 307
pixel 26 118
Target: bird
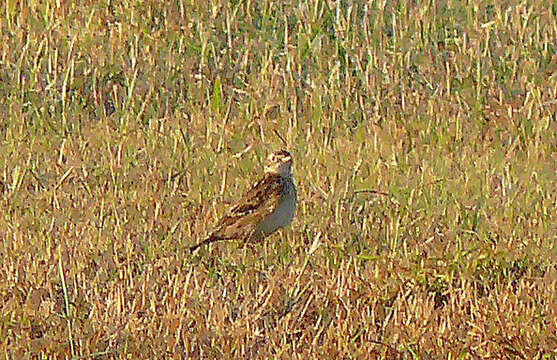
pixel 267 207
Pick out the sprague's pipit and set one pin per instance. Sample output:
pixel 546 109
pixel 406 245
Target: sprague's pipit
pixel 268 206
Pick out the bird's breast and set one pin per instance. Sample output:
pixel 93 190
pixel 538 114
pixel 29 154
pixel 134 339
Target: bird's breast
pixel 283 214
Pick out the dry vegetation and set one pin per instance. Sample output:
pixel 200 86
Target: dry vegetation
pixel 425 141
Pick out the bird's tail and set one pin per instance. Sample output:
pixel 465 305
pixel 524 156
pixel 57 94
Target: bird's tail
pixel 209 240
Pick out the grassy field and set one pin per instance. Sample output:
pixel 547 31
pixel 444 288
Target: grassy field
pixel 425 146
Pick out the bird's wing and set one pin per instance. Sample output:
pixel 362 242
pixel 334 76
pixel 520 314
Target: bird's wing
pixel 256 204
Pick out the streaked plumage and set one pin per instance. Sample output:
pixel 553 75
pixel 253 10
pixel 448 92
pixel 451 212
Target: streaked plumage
pixel 268 206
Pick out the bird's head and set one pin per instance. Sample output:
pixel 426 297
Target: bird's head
pixel 279 162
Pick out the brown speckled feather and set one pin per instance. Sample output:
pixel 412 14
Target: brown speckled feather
pixel 269 206
pixel 241 219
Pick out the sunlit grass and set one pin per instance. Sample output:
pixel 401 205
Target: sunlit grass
pixel 424 138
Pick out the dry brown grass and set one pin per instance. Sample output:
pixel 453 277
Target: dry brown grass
pixel 425 140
